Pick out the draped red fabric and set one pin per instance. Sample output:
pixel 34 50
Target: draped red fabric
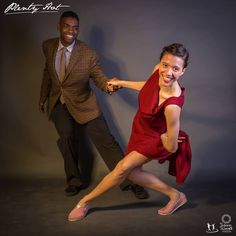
pixel 180 162
pixel 149 123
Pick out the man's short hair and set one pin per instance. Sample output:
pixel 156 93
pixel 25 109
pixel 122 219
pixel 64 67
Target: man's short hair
pixel 69 14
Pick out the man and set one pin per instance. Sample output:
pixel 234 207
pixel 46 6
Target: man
pixel 72 105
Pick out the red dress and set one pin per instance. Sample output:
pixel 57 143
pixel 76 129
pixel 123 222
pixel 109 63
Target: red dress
pixel 149 123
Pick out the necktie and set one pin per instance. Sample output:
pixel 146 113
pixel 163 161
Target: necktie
pixel 62 64
pixel 62 70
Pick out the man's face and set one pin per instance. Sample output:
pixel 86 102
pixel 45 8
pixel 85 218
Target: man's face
pixel 69 30
pixel 171 68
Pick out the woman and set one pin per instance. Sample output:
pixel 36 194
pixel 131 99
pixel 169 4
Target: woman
pixel 155 134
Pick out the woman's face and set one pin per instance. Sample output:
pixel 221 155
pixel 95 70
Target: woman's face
pixel 170 69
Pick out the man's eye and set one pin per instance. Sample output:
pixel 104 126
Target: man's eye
pixel 176 69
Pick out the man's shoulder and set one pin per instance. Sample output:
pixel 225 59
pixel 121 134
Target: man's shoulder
pixel 85 47
pixel 50 42
pixel 82 44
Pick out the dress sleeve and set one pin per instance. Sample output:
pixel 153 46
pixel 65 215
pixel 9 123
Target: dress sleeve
pixel 179 101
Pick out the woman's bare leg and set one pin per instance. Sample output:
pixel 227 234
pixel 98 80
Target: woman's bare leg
pixel 115 177
pixel 130 167
pixel 148 180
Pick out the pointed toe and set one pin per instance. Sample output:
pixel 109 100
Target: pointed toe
pixel 78 213
pixel 172 206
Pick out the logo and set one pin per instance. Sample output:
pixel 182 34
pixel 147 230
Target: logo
pixel 211 228
pixel 15 8
pixel 224 225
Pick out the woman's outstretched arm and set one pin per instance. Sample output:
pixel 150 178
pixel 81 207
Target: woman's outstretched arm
pixel 136 85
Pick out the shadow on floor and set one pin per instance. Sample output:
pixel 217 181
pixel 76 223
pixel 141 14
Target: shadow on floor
pixel 32 206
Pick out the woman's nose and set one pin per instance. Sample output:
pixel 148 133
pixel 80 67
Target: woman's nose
pixel 169 71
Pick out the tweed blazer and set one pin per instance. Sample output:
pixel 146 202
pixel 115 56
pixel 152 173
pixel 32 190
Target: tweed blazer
pixel 79 98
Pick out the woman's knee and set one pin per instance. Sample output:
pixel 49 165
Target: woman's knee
pixel 133 161
pixel 122 168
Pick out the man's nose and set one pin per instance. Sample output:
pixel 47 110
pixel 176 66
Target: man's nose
pixel 71 30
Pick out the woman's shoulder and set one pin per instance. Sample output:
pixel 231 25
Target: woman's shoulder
pixel 156 67
pixel 175 100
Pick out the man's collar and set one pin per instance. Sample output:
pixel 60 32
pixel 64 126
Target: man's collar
pixel 69 48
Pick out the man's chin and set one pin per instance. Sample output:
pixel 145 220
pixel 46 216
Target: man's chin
pixel 67 42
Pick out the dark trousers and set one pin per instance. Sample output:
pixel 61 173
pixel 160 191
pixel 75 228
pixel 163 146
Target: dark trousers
pixel 76 150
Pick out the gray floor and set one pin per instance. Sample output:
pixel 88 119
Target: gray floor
pixel 39 207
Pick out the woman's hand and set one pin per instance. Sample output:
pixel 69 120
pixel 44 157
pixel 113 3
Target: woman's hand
pixel 164 138
pixel 180 139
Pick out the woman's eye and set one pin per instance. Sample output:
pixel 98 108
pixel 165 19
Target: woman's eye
pixel 164 65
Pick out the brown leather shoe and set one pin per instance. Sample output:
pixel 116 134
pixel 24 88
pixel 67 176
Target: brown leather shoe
pixel 139 192
pixel 72 190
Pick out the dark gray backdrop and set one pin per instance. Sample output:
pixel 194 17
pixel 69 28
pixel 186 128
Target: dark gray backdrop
pixel 129 35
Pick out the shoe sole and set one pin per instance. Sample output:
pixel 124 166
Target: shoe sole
pixel 71 194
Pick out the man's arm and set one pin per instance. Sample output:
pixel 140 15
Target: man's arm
pixel 45 85
pixel 97 75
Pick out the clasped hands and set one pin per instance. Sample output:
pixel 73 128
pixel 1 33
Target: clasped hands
pixel 113 85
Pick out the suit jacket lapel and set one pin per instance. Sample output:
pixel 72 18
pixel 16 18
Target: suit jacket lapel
pixel 53 56
pixel 75 56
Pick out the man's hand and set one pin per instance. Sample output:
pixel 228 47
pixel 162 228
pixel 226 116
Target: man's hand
pixel 41 107
pixel 112 85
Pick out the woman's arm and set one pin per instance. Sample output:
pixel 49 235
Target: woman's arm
pixel 170 138
pixel 136 85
